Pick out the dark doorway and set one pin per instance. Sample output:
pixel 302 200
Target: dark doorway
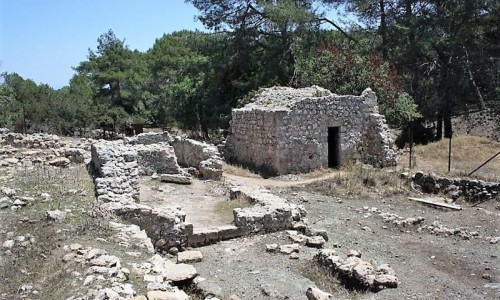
pixel 333 147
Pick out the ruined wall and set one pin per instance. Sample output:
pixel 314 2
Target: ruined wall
pixel 118 172
pixel 285 130
pixel 157 158
pixel 203 156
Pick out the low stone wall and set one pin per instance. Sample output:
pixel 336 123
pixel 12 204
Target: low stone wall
pixel 117 189
pixel 36 141
pixel 204 157
pixel 455 187
pixel 165 226
pixel 269 213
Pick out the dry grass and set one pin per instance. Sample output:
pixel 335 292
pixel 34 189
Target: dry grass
pixel 40 264
pixel 468 153
pixel 357 180
pixel 239 170
pixel 317 173
pixel 225 208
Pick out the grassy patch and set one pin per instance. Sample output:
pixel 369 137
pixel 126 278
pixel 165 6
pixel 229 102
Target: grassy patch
pixel 468 153
pixel 40 264
pixel 239 170
pixel 356 180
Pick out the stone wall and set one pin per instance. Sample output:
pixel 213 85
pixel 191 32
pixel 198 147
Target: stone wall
pixel 118 172
pixel 36 141
pixel 253 138
pixel 157 158
pixel 268 213
pixel 285 130
pixel 117 189
pixel 472 189
pixel 204 157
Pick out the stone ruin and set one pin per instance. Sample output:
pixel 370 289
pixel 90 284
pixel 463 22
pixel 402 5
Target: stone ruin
pixel 472 189
pixel 355 272
pixel 41 149
pixel 286 130
pixel 119 165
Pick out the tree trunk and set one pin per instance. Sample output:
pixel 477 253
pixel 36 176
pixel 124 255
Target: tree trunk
pixel 439 127
pixel 447 125
pixel 383 29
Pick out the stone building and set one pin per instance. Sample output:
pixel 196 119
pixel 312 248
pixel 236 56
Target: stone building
pixel 285 130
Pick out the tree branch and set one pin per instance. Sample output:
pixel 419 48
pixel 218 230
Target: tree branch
pixel 471 77
pixel 322 20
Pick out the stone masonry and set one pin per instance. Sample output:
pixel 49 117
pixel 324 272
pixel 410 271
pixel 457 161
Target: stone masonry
pixel 285 130
pixel 119 164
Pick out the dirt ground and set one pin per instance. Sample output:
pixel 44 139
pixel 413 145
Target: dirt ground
pixel 202 201
pixel 428 266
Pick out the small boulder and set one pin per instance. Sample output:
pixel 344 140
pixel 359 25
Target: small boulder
pixel 272 247
pixel 61 162
pixel 167 295
pixel 175 178
pixel 354 253
pixel 8 244
pixel 189 257
pixel 289 249
pixel 55 215
pixel 317 294
pixel 315 241
pixel 179 272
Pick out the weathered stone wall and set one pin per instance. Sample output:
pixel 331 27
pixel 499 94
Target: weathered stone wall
pixel 157 158
pixel 204 157
pixel 118 179
pixel 285 130
pixel 472 189
pixel 118 187
pixel 269 213
pixel 253 138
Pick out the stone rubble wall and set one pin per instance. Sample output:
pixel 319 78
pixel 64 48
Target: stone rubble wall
pixel 377 140
pixel 34 141
pixel 116 164
pixel 42 149
pixel 355 272
pixel 253 139
pixel 455 187
pixel 269 213
pixel 285 130
pixel 203 156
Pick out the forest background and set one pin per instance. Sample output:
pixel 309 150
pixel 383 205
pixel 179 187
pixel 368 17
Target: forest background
pixel 427 61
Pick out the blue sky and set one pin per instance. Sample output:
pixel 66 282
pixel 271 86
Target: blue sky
pixel 42 39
